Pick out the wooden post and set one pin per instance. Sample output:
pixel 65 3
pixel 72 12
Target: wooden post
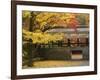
pixel 78 43
pixel 69 43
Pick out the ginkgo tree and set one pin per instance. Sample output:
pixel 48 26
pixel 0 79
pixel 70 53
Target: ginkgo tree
pixel 44 21
pixel 36 25
pixel 40 37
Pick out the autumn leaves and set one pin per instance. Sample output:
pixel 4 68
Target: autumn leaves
pixel 44 21
pixel 42 38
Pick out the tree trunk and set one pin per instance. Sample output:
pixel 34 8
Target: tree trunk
pixel 30 63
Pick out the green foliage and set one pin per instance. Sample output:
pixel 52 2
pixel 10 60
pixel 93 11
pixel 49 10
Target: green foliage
pixel 83 19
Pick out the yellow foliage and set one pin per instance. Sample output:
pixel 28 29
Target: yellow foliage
pixel 40 37
pixel 26 14
pixel 54 19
